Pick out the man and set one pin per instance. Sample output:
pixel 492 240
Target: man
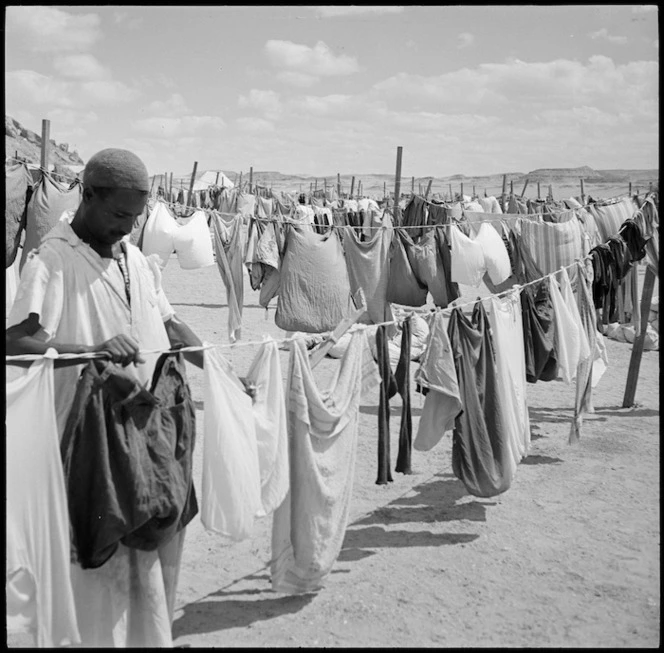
pixel 85 289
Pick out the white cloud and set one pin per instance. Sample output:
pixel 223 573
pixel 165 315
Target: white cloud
pixel 48 29
pixel 357 10
pixel 267 102
pixel 297 79
pixel 172 108
pixel 604 35
pixel 80 66
pixel 254 125
pixel 184 127
pixel 319 60
pixel 465 39
pixel 107 92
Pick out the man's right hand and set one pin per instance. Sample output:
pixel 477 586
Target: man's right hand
pixel 121 349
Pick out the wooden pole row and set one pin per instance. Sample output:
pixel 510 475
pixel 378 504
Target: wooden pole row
pixel 397 187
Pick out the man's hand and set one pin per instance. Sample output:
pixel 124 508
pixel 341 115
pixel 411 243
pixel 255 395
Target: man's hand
pixel 121 349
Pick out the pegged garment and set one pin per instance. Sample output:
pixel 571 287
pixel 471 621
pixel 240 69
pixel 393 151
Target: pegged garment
pixel 368 268
pixel 570 339
pixel 48 202
pixel 391 384
pixel 314 290
pixel 610 217
pixel 38 589
pixel 268 257
pixel 404 286
pixel 18 190
pixel 468 262
pixel 636 242
pixel 229 248
pixel 309 526
pixel 437 377
pixel 192 242
pixel 127 460
pixel 538 333
pixel 415 215
pixel 158 233
pixel 496 257
pixel 480 450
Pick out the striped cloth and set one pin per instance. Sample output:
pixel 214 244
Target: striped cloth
pixel 610 217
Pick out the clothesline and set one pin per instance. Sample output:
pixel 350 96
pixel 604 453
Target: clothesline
pixel 47 172
pixel 298 335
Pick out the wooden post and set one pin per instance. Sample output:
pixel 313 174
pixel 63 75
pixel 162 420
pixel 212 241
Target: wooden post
pixel 650 187
pixel 503 199
pixel 634 291
pixel 524 187
pixel 216 181
pixel 240 180
pixel 384 190
pixel 639 341
pixel 511 187
pixel 412 186
pixel 583 195
pixel 451 196
pixel 338 186
pixel 426 194
pixel 630 188
pixel 474 193
pixel 191 183
pixel 462 191
pixel 352 187
pixel 251 177
pixel 397 187
pixel 170 188
pixel 152 185
pixel 538 191
pixel 45 143
pixel 550 192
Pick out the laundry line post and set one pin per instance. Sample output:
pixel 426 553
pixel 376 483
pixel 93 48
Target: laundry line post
pixel 538 191
pixel 397 187
pixel 352 188
pixel 165 185
pixel 384 190
pixel 583 195
pixel 451 196
pixel 502 201
pixel 338 186
pixel 251 177
pixel 240 186
pixel 191 183
pixel 428 190
pixel 216 181
pixel 524 187
pixel 639 341
pixel 462 191
pixel 45 143
pixel 630 188
pixel 474 193
pixel 550 192
pixel 511 186
pixel 152 185
pixel 359 188
pixel 412 186
pixel 650 187
pixel 170 187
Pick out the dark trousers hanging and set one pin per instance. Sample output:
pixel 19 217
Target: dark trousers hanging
pixel 402 376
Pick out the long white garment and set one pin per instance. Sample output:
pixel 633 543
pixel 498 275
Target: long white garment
pixel 507 332
pixel 309 526
pixel 570 338
pixel 438 374
pixel 38 586
pixel 467 259
pixel 192 242
pixel 496 258
pixel 231 498
pixel 158 233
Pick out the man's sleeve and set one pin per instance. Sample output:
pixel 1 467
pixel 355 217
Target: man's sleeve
pixel 41 291
pixel 165 308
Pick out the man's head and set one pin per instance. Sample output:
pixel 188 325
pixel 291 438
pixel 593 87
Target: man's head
pixel 115 190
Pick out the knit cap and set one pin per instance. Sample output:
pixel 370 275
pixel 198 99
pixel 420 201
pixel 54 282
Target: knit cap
pixel 116 168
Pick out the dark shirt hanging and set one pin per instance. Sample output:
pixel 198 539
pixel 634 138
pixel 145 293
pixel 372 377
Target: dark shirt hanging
pixel 636 242
pixel 538 329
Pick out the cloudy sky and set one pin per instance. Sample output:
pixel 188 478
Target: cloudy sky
pixel 319 90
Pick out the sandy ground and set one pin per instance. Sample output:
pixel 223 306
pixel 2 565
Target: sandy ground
pixel 568 556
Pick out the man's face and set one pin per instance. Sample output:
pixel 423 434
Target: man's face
pixel 110 218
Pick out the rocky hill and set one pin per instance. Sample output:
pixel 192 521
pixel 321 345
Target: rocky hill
pixel 26 145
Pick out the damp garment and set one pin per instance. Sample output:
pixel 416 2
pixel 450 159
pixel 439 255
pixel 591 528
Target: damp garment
pixel 231 496
pixel 158 233
pixel 468 262
pixel 437 375
pixel 18 190
pixel 404 286
pixel 428 266
pixel 47 204
pixel 314 290
pixel 309 526
pixel 38 589
pixel 507 331
pixel 229 249
pixel 538 333
pixel 480 450
pixel 192 242
pixel 552 245
pixel 368 268
pixel 610 217
pixel 496 258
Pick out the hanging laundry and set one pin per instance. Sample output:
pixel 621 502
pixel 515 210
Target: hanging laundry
pixel 229 247
pixel 403 285
pixel 314 290
pixel 445 254
pixel 264 207
pixel 480 454
pixel 192 242
pixel 631 233
pixel 158 233
pixel 228 199
pixel 538 333
pixel 518 205
pixel 38 591
pixel 368 268
pixel 18 190
pixel 496 258
pixel 268 256
pixel 415 215
pixel 437 379
pixel 309 526
pixel 246 204
pixel 506 324
pixel 48 202
pixel 255 269
pixel 609 217
pixel 490 204
pixel 552 245
pixel 136 235
pixel 402 378
pixel 231 498
pixel 468 263
pixel 127 460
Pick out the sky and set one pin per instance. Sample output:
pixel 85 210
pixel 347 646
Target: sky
pixel 317 90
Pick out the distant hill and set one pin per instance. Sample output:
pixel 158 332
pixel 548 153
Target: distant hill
pixel 26 145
